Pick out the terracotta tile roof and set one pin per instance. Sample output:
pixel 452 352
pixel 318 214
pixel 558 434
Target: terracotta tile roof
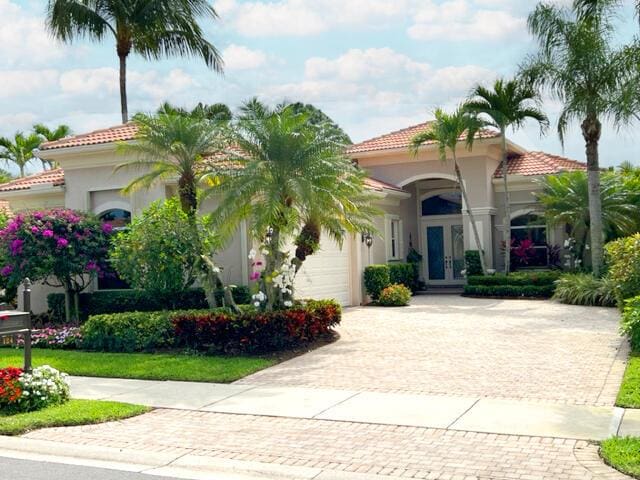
pixel 53 177
pixel 539 163
pixel 105 135
pixel 379 185
pixel 402 138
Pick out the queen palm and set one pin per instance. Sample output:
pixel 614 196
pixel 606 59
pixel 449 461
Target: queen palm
pixel 446 131
pixel 19 149
pixel 150 28
pixel 49 135
pixel 579 66
pixel 294 182
pixel 216 111
pixel 508 105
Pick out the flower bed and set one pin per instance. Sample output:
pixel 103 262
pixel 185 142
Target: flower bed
pixel 26 392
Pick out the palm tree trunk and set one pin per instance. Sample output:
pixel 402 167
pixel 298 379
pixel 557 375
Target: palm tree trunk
pixel 123 87
pixel 474 227
pixel 21 171
pixel 591 131
pixel 507 207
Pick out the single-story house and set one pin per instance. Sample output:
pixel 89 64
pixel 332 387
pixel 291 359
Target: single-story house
pixel 418 193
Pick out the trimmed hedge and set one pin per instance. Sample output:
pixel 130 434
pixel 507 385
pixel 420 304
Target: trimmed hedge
pixel 472 262
pixel 513 291
pixel 253 332
pixel 396 295
pixel 379 277
pixel 630 324
pixel 218 330
pixel 623 258
pixel 515 279
pixel 119 301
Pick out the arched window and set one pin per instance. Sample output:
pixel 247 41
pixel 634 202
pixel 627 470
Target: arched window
pixel 529 241
pixel 117 217
pixel 449 203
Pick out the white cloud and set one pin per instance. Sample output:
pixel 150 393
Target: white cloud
pixel 303 17
pixel 23 38
pixel 456 20
pixel 238 57
pixel 16 83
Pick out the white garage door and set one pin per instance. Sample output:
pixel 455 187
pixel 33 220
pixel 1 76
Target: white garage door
pixel 326 273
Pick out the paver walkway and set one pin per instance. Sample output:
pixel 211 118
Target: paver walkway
pixel 403 393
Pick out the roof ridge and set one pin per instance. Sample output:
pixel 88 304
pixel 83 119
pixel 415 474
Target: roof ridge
pixel 394 132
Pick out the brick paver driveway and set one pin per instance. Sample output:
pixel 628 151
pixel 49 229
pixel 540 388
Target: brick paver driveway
pixel 535 350
pixel 530 350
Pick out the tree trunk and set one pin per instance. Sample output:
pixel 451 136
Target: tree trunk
pixel 507 207
pixel 591 131
pixel 123 86
pixel 21 171
pixel 67 305
pixel 474 227
pixel 76 307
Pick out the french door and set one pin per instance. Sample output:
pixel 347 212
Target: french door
pixel 444 261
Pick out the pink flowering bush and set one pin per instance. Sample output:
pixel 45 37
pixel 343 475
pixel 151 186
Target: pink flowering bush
pixel 66 337
pixel 61 247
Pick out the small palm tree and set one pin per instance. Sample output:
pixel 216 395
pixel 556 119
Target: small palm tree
pixel 48 135
pixel 151 28
pixel 19 150
pixel 446 131
pixel 578 65
pixel 294 183
pixel 565 198
pixel 169 146
pixel 508 105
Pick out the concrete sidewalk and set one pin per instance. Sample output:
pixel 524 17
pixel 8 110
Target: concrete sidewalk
pixel 474 414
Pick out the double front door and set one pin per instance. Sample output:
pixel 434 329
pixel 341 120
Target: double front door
pixel 445 251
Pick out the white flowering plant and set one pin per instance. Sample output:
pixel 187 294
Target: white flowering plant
pixel 43 387
pixel 274 281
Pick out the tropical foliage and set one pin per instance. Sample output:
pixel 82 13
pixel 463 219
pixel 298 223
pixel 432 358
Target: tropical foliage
pixel 446 131
pixel 285 187
pixel 585 289
pixel 509 104
pixel 51 135
pixel 152 29
pixel 217 112
pixel 580 66
pixel 18 151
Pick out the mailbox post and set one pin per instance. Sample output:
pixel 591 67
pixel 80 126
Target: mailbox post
pixel 14 322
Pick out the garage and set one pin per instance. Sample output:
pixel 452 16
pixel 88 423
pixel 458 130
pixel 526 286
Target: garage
pixel 326 274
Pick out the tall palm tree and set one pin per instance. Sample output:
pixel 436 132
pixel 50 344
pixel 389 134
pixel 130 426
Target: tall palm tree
pixel 169 146
pixel 565 198
pixel 49 135
pixel 508 105
pixel 446 131
pixel 19 150
pixel 578 65
pixel 294 182
pixel 151 28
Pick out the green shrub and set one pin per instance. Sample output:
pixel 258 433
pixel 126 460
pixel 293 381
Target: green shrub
pixel 127 332
pixel 376 279
pixel 516 279
pixel 118 301
pixel 585 289
pixel 511 291
pixel 396 295
pixel 158 252
pixel 404 273
pixel 472 262
pixel 623 259
pixel 630 325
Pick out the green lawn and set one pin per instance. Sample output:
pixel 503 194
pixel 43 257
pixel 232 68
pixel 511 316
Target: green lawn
pixel 141 365
pixel 74 412
pixel 629 394
pixel 623 454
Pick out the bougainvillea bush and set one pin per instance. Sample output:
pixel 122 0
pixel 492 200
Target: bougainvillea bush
pixel 25 392
pixel 61 247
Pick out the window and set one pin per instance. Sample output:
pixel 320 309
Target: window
pixel 449 203
pixel 394 237
pixel 529 241
pixel 119 220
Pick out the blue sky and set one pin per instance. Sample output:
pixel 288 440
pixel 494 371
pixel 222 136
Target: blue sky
pixel 372 65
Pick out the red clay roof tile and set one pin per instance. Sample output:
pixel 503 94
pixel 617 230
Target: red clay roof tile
pixel 53 177
pixel 105 135
pixel 539 163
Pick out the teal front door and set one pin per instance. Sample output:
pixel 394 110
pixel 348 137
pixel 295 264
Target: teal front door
pixel 445 252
